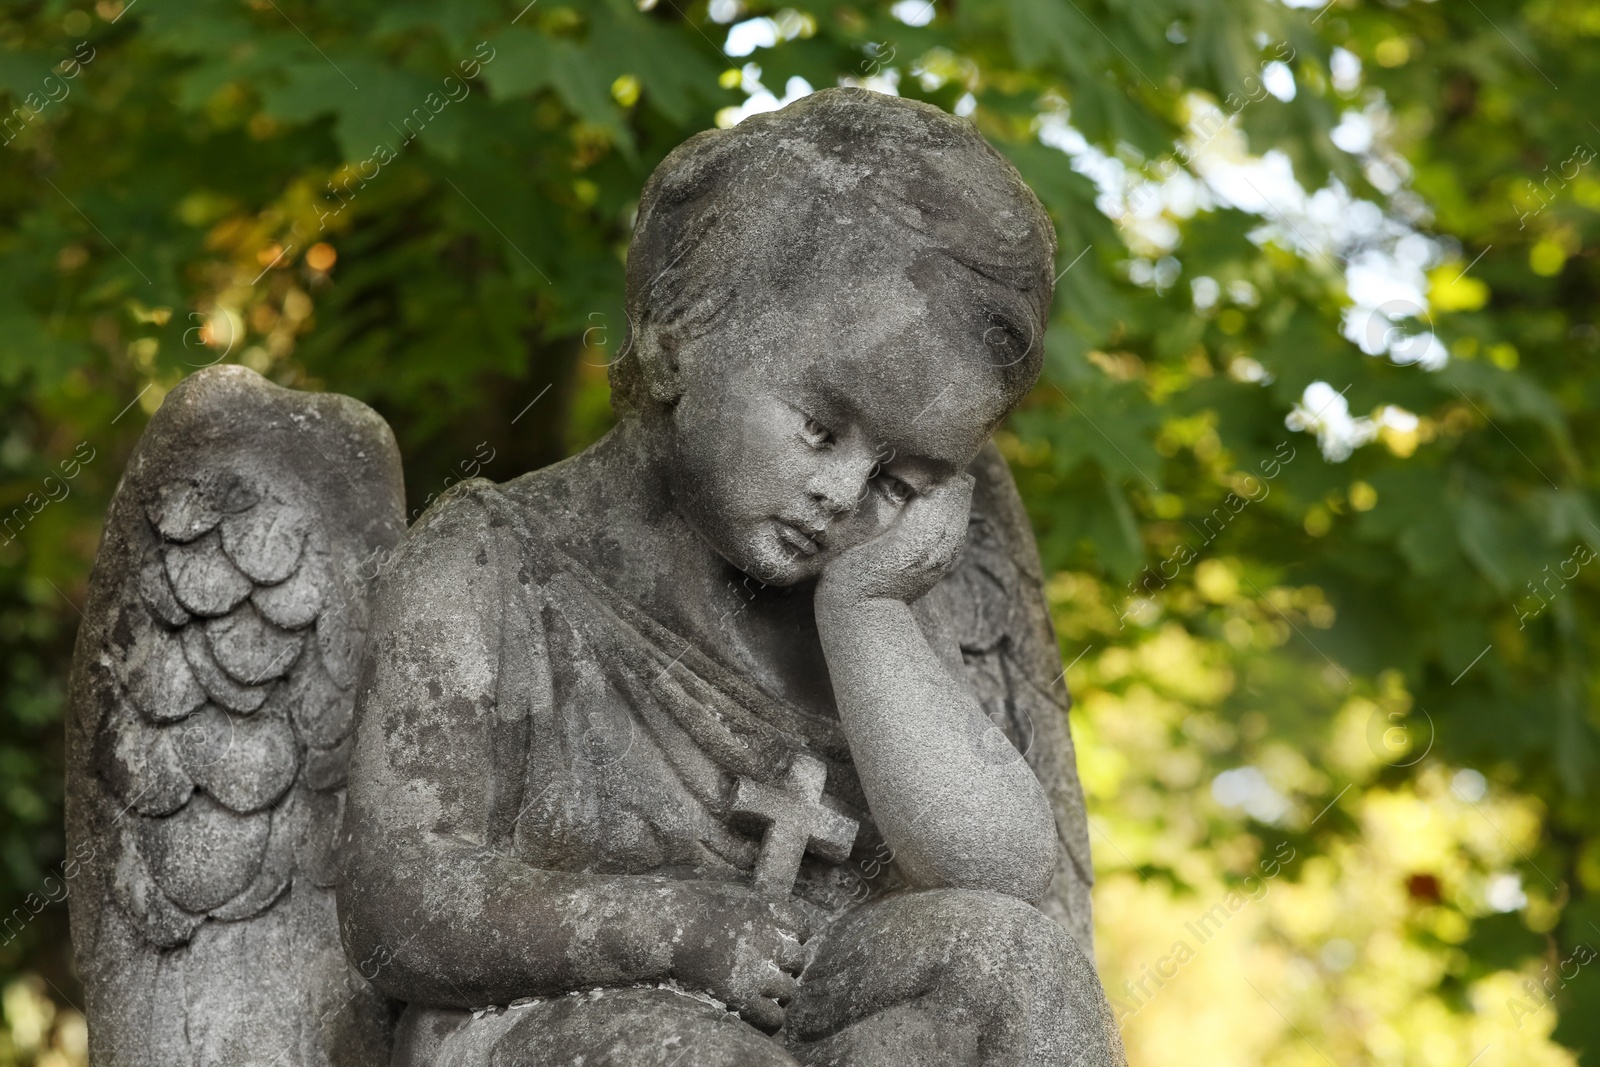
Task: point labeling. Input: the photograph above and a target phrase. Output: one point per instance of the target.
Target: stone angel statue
(738, 739)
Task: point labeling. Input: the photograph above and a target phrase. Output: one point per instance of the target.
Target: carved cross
(796, 820)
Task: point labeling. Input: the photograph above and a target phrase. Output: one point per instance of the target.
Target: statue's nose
(833, 503)
(839, 486)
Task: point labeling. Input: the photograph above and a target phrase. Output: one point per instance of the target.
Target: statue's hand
(910, 556)
(742, 949)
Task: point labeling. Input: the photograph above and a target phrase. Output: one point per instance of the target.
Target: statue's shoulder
(476, 509)
(479, 542)
(464, 518)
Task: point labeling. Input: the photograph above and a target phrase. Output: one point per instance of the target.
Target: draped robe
(616, 744)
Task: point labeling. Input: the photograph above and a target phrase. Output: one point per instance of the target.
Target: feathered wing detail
(1008, 644)
(211, 708)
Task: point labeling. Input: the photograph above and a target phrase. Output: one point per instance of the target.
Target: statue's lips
(796, 537)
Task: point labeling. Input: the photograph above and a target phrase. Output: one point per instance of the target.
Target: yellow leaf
(1392, 51)
(625, 90)
(1449, 289)
(1547, 258)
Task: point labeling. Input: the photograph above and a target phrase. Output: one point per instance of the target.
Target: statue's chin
(780, 581)
(779, 573)
(770, 561)
(759, 549)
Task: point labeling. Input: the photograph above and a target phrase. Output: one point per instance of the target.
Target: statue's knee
(992, 945)
(991, 919)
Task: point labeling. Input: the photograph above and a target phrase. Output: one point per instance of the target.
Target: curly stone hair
(733, 217)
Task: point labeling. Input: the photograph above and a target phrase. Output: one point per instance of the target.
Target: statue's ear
(658, 359)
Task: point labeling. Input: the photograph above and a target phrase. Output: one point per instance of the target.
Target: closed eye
(1006, 344)
(815, 434)
(897, 491)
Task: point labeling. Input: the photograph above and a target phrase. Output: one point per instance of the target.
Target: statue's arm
(431, 907)
(953, 814)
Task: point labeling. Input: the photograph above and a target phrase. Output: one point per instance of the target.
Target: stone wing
(1014, 667)
(211, 712)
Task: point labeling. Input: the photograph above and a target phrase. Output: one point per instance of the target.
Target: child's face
(805, 432)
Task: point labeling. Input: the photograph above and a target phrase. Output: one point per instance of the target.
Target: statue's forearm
(458, 926)
(952, 817)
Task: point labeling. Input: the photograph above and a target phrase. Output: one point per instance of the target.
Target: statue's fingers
(791, 955)
(792, 920)
(763, 1013)
(958, 504)
(953, 495)
(951, 538)
(940, 512)
(780, 986)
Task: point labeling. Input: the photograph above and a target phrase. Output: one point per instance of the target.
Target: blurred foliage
(1373, 679)
(39, 1031)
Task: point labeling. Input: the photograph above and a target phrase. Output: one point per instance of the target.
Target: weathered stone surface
(142, 765)
(204, 854)
(710, 746)
(248, 648)
(153, 917)
(157, 592)
(795, 821)
(265, 541)
(629, 713)
(295, 602)
(203, 579)
(214, 680)
(203, 915)
(277, 867)
(323, 712)
(342, 630)
(328, 768)
(244, 762)
(157, 675)
(183, 510)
